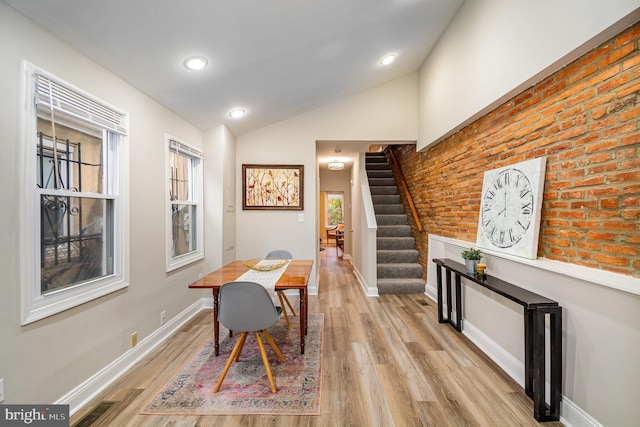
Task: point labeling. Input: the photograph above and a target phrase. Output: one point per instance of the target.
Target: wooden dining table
(296, 276)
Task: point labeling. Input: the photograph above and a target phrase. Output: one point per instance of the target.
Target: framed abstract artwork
(273, 187)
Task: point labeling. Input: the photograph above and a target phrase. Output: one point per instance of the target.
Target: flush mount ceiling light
(388, 59)
(336, 165)
(195, 63)
(237, 113)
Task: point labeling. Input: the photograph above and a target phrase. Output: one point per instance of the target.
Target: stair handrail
(405, 188)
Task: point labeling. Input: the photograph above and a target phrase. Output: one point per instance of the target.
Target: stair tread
(394, 225)
(396, 239)
(399, 264)
(401, 286)
(401, 279)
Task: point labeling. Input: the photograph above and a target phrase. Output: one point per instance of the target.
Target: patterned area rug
(245, 389)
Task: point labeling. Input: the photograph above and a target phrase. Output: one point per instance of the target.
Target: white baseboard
(369, 291)
(571, 415)
(431, 292)
(83, 393)
(511, 365)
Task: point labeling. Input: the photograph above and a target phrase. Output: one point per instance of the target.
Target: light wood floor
(386, 362)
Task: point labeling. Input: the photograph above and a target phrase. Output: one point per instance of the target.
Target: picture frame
(511, 208)
(272, 187)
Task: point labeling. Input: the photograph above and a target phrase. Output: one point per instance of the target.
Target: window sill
(45, 306)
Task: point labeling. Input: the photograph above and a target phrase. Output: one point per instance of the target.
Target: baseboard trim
(369, 291)
(83, 393)
(571, 415)
(507, 362)
(512, 366)
(431, 292)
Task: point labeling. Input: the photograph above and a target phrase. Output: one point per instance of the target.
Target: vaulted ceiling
(275, 58)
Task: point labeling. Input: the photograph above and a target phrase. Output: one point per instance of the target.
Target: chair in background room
(339, 241)
(247, 307)
(283, 254)
(333, 232)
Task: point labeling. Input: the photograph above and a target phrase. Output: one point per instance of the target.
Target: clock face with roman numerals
(510, 208)
(507, 208)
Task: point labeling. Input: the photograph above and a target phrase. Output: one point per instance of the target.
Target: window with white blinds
(75, 189)
(184, 178)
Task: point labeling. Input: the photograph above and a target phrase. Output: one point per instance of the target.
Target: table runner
(268, 279)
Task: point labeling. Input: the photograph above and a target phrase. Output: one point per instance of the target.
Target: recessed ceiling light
(237, 113)
(388, 59)
(195, 63)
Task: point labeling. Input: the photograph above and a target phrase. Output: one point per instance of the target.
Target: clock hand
(504, 211)
(505, 203)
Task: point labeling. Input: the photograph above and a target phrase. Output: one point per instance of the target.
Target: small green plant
(472, 253)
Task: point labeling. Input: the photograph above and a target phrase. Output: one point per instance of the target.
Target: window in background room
(335, 211)
(75, 247)
(184, 207)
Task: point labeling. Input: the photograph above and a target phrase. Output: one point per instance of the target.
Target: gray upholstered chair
(280, 254)
(283, 254)
(247, 307)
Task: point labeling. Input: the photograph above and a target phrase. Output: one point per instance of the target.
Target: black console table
(535, 309)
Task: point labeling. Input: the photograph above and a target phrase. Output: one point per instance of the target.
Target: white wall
(600, 332)
(365, 229)
(494, 49)
(220, 203)
(387, 113)
(44, 360)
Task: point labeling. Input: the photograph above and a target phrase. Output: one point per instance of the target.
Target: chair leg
(265, 361)
(284, 309)
(236, 350)
(274, 346)
(242, 338)
(293, 312)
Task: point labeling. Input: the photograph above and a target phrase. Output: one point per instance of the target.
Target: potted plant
(471, 257)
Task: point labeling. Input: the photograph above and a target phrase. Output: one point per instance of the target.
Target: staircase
(398, 269)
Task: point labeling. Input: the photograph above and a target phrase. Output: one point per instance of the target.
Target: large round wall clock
(509, 218)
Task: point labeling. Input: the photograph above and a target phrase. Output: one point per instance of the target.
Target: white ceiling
(276, 58)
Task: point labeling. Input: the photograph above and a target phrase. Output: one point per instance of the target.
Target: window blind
(181, 148)
(54, 95)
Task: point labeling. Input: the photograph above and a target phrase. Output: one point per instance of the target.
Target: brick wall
(585, 119)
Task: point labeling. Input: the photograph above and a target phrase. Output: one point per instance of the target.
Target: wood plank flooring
(386, 362)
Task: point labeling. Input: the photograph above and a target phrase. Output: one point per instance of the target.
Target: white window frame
(196, 181)
(34, 304)
(326, 207)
